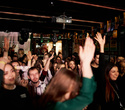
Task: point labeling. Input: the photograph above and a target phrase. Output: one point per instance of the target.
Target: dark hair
(38, 64)
(33, 68)
(109, 92)
(76, 69)
(96, 53)
(15, 61)
(11, 66)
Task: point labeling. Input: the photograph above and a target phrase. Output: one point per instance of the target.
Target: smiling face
(114, 73)
(9, 75)
(72, 65)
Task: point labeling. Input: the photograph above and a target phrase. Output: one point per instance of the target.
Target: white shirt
(40, 88)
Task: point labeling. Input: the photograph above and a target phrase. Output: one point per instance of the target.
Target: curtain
(13, 38)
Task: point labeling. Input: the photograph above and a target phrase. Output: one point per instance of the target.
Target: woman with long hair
(12, 95)
(113, 98)
(65, 92)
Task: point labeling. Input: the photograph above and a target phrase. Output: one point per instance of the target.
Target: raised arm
(4, 59)
(86, 54)
(6, 47)
(101, 41)
(88, 86)
(48, 62)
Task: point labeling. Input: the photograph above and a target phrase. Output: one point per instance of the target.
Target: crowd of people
(82, 81)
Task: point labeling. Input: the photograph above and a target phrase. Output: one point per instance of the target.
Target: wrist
(101, 49)
(2, 62)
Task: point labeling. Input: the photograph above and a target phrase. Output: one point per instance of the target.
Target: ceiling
(37, 15)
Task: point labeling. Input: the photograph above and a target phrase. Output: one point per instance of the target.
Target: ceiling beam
(43, 16)
(94, 5)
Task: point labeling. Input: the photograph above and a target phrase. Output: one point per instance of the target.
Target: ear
(39, 75)
(67, 95)
(28, 77)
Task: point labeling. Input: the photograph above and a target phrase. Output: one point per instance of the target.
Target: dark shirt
(113, 104)
(99, 78)
(15, 99)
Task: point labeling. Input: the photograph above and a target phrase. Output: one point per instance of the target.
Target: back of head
(60, 85)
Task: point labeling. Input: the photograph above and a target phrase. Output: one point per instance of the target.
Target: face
(72, 64)
(34, 75)
(16, 64)
(9, 75)
(15, 58)
(55, 66)
(60, 55)
(46, 57)
(97, 59)
(123, 67)
(114, 73)
(20, 52)
(120, 59)
(58, 60)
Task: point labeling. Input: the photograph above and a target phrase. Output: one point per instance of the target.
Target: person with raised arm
(98, 68)
(64, 92)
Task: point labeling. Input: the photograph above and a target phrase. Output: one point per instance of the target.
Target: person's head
(15, 63)
(72, 64)
(9, 76)
(55, 66)
(96, 58)
(111, 75)
(64, 85)
(20, 51)
(120, 58)
(75, 55)
(15, 57)
(24, 58)
(112, 59)
(46, 56)
(60, 55)
(58, 59)
(111, 72)
(34, 74)
(45, 53)
(122, 67)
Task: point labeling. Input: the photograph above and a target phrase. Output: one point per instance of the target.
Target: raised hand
(6, 44)
(29, 55)
(86, 54)
(52, 56)
(101, 41)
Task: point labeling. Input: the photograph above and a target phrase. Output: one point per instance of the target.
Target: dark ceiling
(37, 15)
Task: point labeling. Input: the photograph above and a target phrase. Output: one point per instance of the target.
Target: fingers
(104, 37)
